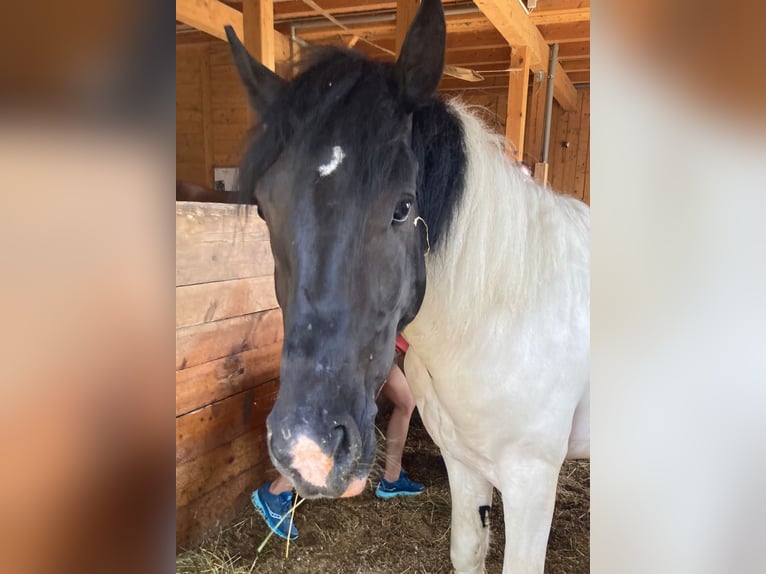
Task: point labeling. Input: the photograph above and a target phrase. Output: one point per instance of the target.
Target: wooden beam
(541, 173)
(563, 33)
(516, 119)
(578, 65)
(405, 13)
(514, 24)
(580, 77)
(574, 51)
(494, 82)
(553, 5)
(209, 16)
(480, 58)
(258, 24)
(563, 86)
(388, 29)
(533, 138)
(560, 16)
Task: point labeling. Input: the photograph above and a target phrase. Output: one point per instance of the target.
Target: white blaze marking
(337, 157)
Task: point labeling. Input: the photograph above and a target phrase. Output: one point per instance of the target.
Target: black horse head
(336, 167)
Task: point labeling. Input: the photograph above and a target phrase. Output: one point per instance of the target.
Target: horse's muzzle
(322, 459)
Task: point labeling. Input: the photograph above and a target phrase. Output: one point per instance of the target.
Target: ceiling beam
(578, 65)
(559, 16)
(580, 77)
(551, 5)
(569, 32)
(514, 24)
(458, 24)
(574, 51)
(210, 16)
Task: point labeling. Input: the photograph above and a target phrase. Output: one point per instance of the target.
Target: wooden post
(258, 26)
(541, 173)
(518, 84)
(405, 13)
(533, 137)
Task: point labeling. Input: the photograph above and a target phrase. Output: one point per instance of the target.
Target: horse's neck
(506, 239)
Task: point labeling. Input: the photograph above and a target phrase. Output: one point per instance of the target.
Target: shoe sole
(386, 495)
(261, 508)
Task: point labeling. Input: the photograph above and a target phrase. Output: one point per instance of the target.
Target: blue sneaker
(403, 486)
(273, 507)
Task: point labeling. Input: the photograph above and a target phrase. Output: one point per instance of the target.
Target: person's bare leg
(280, 485)
(397, 390)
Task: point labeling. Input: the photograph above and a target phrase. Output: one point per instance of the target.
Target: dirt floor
(367, 535)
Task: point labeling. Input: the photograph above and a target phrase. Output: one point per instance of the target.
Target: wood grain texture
(216, 242)
(210, 341)
(216, 380)
(206, 302)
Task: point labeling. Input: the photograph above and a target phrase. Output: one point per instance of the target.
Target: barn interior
(499, 56)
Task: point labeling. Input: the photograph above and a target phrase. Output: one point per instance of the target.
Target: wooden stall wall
(211, 111)
(191, 107)
(212, 116)
(228, 344)
(569, 151)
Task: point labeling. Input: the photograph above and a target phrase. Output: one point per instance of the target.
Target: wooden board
(569, 166)
(206, 302)
(204, 516)
(216, 380)
(221, 456)
(210, 341)
(211, 426)
(216, 242)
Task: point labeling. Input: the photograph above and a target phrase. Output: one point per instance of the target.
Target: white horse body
(499, 351)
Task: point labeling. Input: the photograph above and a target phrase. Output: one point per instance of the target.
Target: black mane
(338, 85)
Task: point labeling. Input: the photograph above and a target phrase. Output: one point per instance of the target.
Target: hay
(367, 535)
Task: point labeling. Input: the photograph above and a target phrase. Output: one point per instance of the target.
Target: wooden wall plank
(216, 380)
(207, 119)
(206, 302)
(190, 158)
(582, 145)
(216, 242)
(203, 517)
(569, 167)
(209, 341)
(208, 471)
(217, 424)
(572, 137)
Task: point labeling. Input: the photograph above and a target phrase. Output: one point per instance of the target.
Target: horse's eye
(402, 211)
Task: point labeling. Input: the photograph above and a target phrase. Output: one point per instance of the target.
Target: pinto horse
(390, 210)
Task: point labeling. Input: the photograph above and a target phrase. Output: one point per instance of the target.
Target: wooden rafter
(560, 16)
(210, 16)
(514, 24)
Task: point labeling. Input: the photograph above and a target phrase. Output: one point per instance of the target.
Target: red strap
(401, 344)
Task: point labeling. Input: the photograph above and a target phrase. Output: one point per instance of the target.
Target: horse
(390, 210)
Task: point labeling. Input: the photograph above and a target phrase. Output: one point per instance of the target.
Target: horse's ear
(261, 83)
(421, 61)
